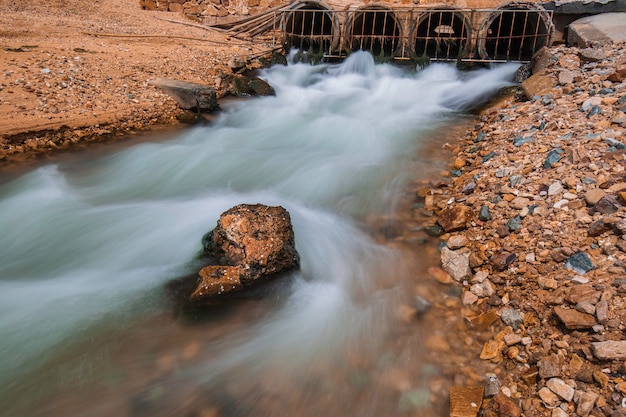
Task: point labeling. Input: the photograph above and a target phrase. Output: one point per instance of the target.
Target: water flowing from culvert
(88, 246)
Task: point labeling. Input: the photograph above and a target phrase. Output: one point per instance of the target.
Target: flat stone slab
(599, 29)
(610, 350)
(188, 95)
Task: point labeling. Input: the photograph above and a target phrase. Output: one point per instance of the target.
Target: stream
(89, 245)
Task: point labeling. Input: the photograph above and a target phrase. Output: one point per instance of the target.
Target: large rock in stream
(251, 243)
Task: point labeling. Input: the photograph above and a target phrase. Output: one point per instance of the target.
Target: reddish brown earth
(73, 71)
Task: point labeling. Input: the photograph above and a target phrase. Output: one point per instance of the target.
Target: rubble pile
(532, 222)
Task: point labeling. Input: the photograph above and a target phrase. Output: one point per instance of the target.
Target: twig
(113, 35)
(197, 25)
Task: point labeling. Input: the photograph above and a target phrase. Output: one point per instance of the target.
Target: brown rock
(594, 195)
(618, 76)
(574, 320)
(252, 242)
(465, 401)
(217, 280)
(609, 350)
(501, 261)
(537, 85)
(258, 238)
(503, 406)
(455, 218)
(549, 367)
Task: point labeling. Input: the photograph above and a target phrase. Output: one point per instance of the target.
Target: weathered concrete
(598, 29)
(188, 95)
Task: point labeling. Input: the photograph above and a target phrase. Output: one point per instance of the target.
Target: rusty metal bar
(444, 34)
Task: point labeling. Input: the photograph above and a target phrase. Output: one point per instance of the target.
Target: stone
(591, 55)
(566, 77)
(455, 219)
(457, 242)
(492, 350)
(492, 385)
(501, 261)
(188, 95)
(586, 403)
(580, 263)
(549, 398)
(512, 317)
(256, 239)
(606, 205)
(217, 280)
(549, 367)
(538, 84)
(557, 412)
(519, 203)
(594, 195)
(239, 85)
(261, 87)
(601, 379)
(505, 406)
(514, 223)
(456, 263)
(465, 401)
(440, 275)
(609, 350)
(421, 304)
(554, 156)
(598, 228)
(602, 311)
(560, 388)
(512, 339)
(555, 188)
(574, 320)
(484, 214)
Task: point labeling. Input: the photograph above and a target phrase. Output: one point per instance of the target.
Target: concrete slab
(599, 29)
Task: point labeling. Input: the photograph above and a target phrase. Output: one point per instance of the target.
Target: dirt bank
(77, 71)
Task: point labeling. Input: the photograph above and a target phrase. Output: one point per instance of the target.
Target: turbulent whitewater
(88, 246)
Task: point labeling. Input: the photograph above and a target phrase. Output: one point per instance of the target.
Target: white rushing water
(89, 245)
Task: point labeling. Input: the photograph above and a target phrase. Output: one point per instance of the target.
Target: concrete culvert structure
(374, 28)
(514, 32)
(310, 27)
(442, 35)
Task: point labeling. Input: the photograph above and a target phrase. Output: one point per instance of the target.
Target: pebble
(456, 263)
(560, 388)
(586, 403)
(492, 385)
(574, 320)
(580, 263)
(512, 317)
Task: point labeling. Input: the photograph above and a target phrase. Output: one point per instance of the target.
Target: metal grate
(478, 35)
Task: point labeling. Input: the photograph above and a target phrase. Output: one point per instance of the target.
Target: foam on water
(86, 244)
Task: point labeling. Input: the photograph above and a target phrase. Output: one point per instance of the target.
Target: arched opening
(515, 32)
(442, 35)
(374, 29)
(309, 27)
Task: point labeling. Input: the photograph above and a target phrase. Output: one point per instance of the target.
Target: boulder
(188, 95)
(243, 86)
(250, 243)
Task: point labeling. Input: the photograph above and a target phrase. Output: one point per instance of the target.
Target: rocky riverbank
(80, 71)
(532, 223)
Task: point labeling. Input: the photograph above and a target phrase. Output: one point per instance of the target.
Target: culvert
(310, 27)
(374, 29)
(514, 32)
(442, 34)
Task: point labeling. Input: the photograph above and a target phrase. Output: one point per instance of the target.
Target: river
(89, 245)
